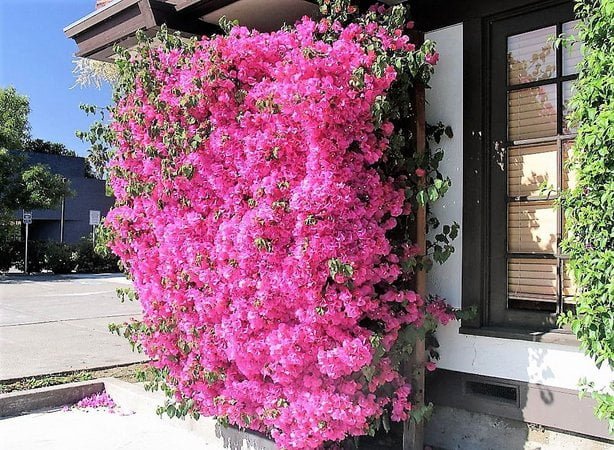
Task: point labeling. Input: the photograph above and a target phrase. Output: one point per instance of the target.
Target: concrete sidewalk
(93, 430)
(132, 425)
(51, 324)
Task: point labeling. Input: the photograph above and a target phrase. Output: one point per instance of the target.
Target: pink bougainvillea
(254, 222)
(101, 400)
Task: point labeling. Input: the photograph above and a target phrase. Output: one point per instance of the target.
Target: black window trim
(477, 195)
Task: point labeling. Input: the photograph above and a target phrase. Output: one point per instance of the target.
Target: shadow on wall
(480, 412)
(540, 373)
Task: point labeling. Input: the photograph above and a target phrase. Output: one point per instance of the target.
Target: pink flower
(95, 401)
(420, 172)
(432, 58)
(438, 308)
(387, 128)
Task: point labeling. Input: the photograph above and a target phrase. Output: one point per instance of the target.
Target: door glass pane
(530, 167)
(532, 279)
(532, 227)
(531, 56)
(569, 177)
(572, 54)
(532, 113)
(567, 93)
(569, 286)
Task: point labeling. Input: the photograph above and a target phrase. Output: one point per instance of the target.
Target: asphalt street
(51, 324)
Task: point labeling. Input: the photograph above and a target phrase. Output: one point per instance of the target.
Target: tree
(27, 187)
(14, 125)
(48, 147)
(24, 186)
(15, 128)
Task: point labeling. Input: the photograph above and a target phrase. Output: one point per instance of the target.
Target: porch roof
(118, 21)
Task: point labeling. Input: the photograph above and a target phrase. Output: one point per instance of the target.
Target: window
(527, 140)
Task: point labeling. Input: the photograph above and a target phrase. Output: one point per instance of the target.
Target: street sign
(27, 217)
(94, 217)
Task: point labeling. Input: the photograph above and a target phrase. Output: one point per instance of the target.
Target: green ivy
(589, 206)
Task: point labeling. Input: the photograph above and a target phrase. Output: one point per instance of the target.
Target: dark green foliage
(40, 188)
(59, 257)
(589, 207)
(26, 187)
(89, 261)
(36, 255)
(7, 255)
(50, 148)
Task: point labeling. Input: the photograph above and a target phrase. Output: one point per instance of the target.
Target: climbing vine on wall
(589, 206)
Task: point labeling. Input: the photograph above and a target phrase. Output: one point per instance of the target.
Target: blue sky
(36, 57)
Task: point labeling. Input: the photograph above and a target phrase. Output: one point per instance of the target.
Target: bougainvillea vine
(260, 193)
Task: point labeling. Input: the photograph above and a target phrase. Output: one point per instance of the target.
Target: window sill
(561, 337)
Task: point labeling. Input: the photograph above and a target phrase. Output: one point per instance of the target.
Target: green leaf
(421, 198)
(386, 422)
(336, 266)
(171, 411)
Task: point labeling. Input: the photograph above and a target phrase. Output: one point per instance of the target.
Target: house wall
(542, 370)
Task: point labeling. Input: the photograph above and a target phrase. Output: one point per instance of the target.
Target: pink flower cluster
(96, 401)
(254, 224)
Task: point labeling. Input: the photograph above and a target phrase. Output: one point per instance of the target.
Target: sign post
(27, 220)
(63, 211)
(94, 222)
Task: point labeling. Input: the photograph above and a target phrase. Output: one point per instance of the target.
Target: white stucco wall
(445, 104)
(549, 364)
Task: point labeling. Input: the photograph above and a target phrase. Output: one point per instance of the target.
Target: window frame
(484, 280)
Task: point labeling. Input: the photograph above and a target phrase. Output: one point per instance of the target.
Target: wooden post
(413, 433)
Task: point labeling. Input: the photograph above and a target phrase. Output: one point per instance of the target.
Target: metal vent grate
(500, 392)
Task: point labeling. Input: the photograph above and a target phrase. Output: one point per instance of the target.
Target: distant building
(89, 194)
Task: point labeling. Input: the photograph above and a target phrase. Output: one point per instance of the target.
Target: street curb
(22, 402)
(74, 371)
